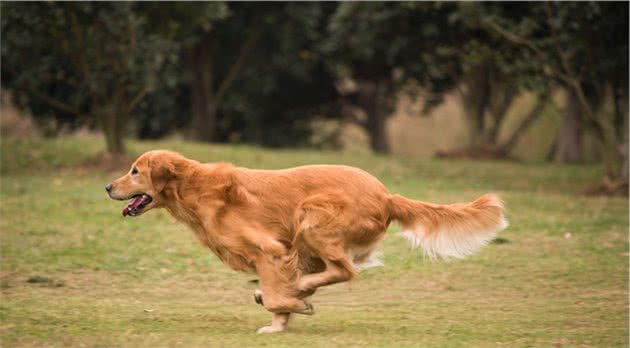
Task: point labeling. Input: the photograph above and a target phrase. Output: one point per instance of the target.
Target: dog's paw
(258, 297)
(270, 329)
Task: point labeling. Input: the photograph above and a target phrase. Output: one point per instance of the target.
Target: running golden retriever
(298, 228)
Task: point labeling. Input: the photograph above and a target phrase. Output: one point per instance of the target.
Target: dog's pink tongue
(136, 202)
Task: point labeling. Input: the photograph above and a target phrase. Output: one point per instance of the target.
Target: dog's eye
(134, 171)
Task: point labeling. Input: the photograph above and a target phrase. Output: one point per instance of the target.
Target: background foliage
(264, 73)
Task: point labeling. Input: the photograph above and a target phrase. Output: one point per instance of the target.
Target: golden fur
(300, 228)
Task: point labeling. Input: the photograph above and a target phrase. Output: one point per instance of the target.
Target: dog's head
(144, 183)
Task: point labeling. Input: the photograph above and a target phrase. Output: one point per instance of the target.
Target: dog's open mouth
(138, 202)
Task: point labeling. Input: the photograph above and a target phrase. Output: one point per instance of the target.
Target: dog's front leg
(279, 323)
(278, 293)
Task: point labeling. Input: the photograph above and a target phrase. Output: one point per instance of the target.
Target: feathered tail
(449, 231)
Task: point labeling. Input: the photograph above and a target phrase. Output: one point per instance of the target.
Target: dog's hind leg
(339, 270)
(330, 226)
(324, 235)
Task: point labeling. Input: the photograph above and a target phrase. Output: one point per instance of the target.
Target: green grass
(559, 277)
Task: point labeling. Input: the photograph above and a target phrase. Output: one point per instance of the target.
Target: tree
(208, 85)
(268, 98)
(251, 75)
(568, 145)
(91, 60)
(439, 47)
(491, 74)
(189, 24)
(285, 83)
(383, 46)
(231, 85)
(583, 47)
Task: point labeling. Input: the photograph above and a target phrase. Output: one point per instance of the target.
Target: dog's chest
(227, 249)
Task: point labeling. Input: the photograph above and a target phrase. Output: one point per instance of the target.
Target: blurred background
(527, 81)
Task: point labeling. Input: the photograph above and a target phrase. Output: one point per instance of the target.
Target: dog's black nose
(108, 187)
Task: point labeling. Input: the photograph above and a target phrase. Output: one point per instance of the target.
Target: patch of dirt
(46, 281)
(500, 240)
(476, 152)
(617, 187)
(107, 162)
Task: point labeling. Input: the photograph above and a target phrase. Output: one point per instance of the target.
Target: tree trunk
(112, 125)
(374, 100)
(614, 151)
(204, 109)
(622, 110)
(378, 133)
(115, 144)
(623, 151)
(476, 98)
(569, 140)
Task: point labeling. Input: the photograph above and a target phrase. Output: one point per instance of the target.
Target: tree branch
(513, 38)
(521, 41)
(55, 103)
(498, 109)
(79, 55)
(543, 97)
(564, 59)
(255, 34)
(137, 99)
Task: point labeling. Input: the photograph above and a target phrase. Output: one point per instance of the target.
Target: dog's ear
(163, 169)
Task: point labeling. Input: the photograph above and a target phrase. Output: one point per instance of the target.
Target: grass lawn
(75, 273)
